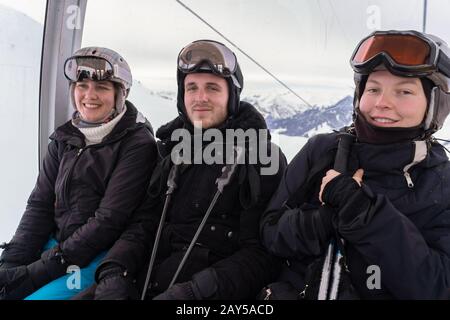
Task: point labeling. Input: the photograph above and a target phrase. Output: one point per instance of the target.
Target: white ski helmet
(97, 63)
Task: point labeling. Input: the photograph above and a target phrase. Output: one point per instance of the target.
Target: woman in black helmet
(94, 175)
(369, 216)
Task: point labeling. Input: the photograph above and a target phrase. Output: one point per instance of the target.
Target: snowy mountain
(312, 121)
(276, 105)
(285, 115)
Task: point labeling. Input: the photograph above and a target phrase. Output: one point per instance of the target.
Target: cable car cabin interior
(294, 56)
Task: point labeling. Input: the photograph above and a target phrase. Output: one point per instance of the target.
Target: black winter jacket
(85, 195)
(404, 231)
(229, 242)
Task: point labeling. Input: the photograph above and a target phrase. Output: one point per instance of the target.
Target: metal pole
(171, 186)
(194, 239)
(424, 27)
(227, 173)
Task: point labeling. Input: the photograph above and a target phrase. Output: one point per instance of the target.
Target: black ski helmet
(438, 72)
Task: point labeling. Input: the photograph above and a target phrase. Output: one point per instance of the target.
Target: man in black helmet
(208, 246)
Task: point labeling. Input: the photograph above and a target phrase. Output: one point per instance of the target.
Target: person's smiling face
(94, 99)
(392, 101)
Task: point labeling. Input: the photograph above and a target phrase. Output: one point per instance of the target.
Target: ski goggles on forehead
(213, 55)
(93, 68)
(408, 54)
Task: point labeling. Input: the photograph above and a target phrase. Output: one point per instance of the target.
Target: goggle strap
(443, 64)
(235, 81)
(430, 110)
(122, 73)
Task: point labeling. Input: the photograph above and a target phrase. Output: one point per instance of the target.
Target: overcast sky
(303, 43)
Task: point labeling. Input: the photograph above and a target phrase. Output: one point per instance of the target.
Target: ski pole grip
(342, 153)
(171, 184)
(229, 169)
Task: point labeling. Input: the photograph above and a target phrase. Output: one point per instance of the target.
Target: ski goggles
(407, 53)
(210, 54)
(94, 68)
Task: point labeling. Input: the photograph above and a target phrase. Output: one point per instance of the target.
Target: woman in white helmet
(94, 175)
(365, 213)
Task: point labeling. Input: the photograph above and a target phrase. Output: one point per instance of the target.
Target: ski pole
(222, 182)
(343, 151)
(334, 254)
(171, 186)
(326, 271)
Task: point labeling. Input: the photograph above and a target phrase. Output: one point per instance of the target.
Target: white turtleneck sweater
(95, 135)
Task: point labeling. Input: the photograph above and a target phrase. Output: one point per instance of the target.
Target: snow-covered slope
(158, 107)
(20, 45)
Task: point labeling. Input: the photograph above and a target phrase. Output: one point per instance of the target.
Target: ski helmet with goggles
(212, 57)
(407, 54)
(98, 64)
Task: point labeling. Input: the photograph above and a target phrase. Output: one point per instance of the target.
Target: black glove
(349, 199)
(8, 265)
(15, 283)
(114, 283)
(202, 286)
(316, 224)
(51, 266)
(179, 291)
(19, 282)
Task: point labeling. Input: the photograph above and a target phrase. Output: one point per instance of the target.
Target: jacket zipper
(69, 178)
(80, 151)
(408, 179)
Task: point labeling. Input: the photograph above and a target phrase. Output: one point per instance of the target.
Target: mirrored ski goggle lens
(218, 56)
(403, 49)
(97, 69)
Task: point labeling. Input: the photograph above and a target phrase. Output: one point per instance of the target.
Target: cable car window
(21, 31)
(294, 54)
